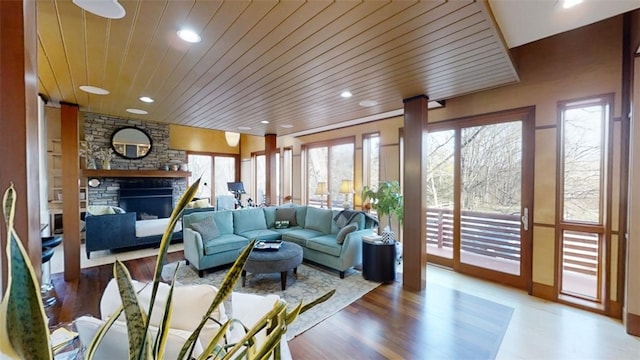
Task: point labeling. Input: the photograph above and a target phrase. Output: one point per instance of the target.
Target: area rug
(309, 283)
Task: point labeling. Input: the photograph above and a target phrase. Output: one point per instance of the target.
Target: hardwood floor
(457, 317)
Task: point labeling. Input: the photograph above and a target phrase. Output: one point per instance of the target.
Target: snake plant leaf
(166, 240)
(163, 331)
(102, 330)
(139, 345)
(228, 283)
(21, 311)
(213, 348)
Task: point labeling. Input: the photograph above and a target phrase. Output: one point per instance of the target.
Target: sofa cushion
(269, 216)
(225, 242)
(115, 344)
(224, 220)
(248, 219)
(342, 234)
(262, 234)
(318, 219)
(207, 228)
(301, 236)
(97, 210)
(325, 244)
(287, 214)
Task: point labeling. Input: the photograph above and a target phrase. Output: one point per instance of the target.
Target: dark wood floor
(387, 323)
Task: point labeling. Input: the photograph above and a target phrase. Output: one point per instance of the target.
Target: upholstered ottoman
(288, 257)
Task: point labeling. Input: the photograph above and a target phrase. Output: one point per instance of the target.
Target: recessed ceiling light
(286, 126)
(566, 4)
(245, 128)
(264, 122)
(94, 90)
(346, 94)
(146, 99)
(368, 103)
(109, 9)
(138, 111)
(189, 36)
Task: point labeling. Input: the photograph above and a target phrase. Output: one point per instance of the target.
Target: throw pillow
(207, 228)
(202, 203)
(288, 214)
(342, 234)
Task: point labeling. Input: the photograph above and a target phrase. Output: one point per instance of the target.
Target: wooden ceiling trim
(289, 88)
(361, 74)
(210, 90)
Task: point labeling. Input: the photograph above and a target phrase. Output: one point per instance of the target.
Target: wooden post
(270, 152)
(70, 190)
(19, 153)
(415, 205)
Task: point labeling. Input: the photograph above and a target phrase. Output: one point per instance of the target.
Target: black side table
(379, 261)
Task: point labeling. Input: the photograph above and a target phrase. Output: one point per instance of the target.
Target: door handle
(525, 219)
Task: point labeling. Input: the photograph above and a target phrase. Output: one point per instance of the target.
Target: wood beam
(19, 154)
(415, 205)
(70, 190)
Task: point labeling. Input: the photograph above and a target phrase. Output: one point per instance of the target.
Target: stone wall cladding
(101, 127)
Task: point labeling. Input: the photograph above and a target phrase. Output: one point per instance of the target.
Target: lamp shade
(321, 189)
(233, 138)
(346, 187)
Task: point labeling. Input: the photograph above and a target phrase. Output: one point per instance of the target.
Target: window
(259, 190)
(328, 163)
(584, 126)
(221, 168)
(286, 188)
(371, 160)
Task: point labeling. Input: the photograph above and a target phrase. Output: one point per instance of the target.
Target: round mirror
(131, 142)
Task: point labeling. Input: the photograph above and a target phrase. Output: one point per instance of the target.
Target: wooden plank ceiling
(283, 62)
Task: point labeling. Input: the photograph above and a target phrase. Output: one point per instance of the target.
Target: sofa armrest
(113, 231)
(193, 246)
(352, 247)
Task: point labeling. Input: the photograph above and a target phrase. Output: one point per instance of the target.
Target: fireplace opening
(147, 202)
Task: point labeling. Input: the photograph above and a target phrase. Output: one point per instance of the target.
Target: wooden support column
(70, 190)
(19, 155)
(271, 152)
(415, 205)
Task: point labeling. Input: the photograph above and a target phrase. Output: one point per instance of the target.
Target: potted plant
(387, 200)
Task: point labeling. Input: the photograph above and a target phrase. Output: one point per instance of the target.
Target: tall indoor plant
(22, 313)
(386, 199)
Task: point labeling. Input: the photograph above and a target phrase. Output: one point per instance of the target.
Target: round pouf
(288, 257)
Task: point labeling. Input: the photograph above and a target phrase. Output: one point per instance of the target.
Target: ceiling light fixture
(94, 90)
(368, 103)
(264, 122)
(346, 94)
(244, 128)
(286, 126)
(566, 4)
(138, 111)
(109, 9)
(233, 138)
(189, 36)
(146, 99)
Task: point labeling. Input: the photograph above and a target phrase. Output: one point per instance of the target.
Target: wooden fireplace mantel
(119, 173)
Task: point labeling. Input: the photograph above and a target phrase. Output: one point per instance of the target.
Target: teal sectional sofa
(332, 238)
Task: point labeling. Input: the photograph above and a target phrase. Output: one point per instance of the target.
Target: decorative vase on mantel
(91, 162)
(106, 164)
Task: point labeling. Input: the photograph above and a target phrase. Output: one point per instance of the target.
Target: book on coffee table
(272, 245)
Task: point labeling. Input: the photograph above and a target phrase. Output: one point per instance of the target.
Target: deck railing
(498, 236)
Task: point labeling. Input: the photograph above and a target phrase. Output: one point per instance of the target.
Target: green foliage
(22, 314)
(387, 200)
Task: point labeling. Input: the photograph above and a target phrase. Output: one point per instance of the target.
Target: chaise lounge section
(332, 238)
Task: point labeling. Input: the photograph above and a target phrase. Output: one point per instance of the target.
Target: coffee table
(288, 257)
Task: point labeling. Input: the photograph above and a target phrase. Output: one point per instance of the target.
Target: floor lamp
(321, 190)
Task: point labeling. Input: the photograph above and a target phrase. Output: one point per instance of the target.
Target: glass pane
(371, 160)
(440, 172)
(491, 157)
(317, 179)
(580, 259)
(200, 166)
(225, 168)
(287, 164)
(583, 162)
(341, 169)
(261, 187)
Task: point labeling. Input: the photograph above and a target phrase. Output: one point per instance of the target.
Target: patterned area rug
(309, 283)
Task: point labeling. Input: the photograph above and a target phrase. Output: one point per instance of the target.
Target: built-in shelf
(117, 173)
